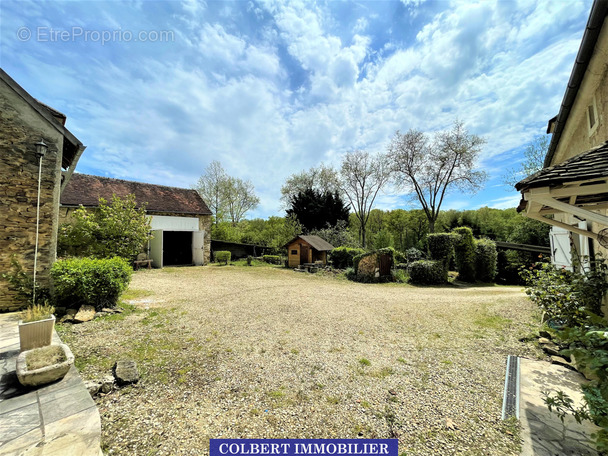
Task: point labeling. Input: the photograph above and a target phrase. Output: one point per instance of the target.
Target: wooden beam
(590, 207)
(574, 229)
(578, 190)
(567, 208)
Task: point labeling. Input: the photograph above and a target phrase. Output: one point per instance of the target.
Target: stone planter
(46, 374)
(36, 334)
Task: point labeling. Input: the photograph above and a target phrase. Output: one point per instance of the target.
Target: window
(294, 252)
(592, 117)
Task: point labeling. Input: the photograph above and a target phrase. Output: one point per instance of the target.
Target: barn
(181, 221)
(307, 249)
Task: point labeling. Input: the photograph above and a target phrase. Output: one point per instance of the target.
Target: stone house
(571, 192)
(307, 249)
(24, 123)
(181, 221)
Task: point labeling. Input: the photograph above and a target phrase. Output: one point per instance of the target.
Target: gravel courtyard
(264, 352)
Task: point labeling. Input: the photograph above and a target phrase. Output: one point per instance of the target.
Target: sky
(157, 90)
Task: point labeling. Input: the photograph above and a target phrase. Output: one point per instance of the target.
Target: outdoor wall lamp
(41, 149)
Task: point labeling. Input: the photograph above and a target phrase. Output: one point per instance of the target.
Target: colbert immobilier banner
(300, 447)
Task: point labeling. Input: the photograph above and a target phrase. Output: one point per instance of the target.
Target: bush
(413, 254)
(117, 228)
(464, 248)
(342, 257)
(272, 259)
(441, 247)
(223, 256)
(485, 260)
(399, 276)
(350, 274)
(90, 281)
(567, 298)
(428, 272)
(249, 260)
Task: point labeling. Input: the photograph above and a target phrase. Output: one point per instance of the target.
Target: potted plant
(36, 326)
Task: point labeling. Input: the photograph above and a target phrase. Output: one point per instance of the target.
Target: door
(303, 254)
(198, 248)
(156, 248)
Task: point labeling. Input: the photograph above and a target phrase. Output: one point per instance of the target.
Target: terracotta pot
(36, 334)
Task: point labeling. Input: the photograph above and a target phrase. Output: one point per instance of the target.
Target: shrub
(428, 272)
(413, 254)
(441, 247)
(249, 260)
(399, 276)
(485, 260)
(464, 247)
(117, 228)
(567, 297)
(90, 281)
(342, 257)
(272, 259)
(350, 274)
(223, 256)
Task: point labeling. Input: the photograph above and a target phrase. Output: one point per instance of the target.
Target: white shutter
(560, 247)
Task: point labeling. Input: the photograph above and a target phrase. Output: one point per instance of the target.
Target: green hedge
(486, 260)
(441, 247)
(223, 256)
(272, 259)
(90, 281)
(342, 257)
(428, 272)
(464, 248)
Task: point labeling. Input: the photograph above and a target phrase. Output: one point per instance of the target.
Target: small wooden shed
(307, 249)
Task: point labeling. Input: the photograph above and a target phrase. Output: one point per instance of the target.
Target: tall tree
(322, 179)
(430, 169)
(534, 159)
(212, 188)
(316, 210)
(239, 197)
(226, 196)
(361, 177)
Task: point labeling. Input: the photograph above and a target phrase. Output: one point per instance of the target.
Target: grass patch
(45, 356)
(382, 373)
(333, 399)
(365, 362)
(135, 293)
(495, 322)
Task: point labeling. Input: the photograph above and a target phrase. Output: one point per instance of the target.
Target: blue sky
(159, 89)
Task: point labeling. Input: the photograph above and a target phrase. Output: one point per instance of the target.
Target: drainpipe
(41, 149)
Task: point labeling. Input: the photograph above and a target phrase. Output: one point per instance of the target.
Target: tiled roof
(84, 189)
(589, 165)
(316, 242)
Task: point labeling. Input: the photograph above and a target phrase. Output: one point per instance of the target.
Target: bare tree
(212, 188)
(430, 169)
(361, 178)
(534, 159)
(239, 197)
(322, 179)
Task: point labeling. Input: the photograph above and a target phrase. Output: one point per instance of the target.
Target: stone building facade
(24, 122)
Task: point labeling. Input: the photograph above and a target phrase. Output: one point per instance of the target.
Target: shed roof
(590, 165)
(315, 241)
(85, 190)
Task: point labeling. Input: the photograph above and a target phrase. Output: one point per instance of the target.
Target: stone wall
(22, 127)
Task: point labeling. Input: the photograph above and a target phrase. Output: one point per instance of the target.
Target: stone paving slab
(542, 431)
(59, 419)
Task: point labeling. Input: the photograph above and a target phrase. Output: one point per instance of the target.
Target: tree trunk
(431, 226)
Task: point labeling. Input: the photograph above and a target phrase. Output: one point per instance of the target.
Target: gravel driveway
(269, 353)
